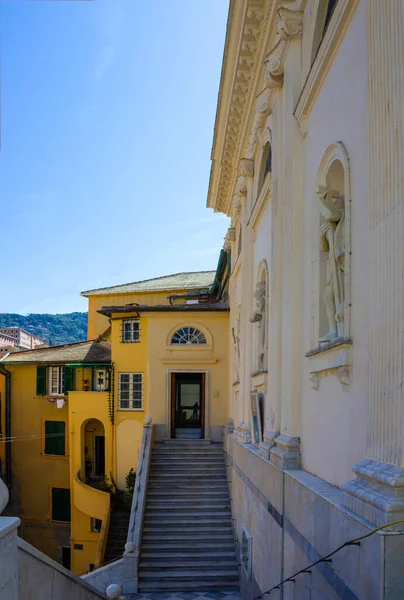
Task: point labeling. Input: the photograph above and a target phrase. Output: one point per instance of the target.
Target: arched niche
(93, 450)
(260, 318)
(331, 249)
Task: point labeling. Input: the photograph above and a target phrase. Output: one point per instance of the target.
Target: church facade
(307, 160)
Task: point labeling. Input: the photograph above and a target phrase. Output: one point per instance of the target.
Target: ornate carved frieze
(262, 111)
(247, 167)
(275, 64)
(290, 22)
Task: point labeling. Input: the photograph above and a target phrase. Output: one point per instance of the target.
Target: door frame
(170, 400)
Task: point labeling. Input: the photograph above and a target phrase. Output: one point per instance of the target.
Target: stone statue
(332, 242)
(259, 317)
(236, 342)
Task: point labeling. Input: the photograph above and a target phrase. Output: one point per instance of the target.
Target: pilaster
(378, 491)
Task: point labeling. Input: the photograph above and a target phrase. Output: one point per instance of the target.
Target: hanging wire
(30, 437)
(327, 557)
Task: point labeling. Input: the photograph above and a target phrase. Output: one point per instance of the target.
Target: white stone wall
(332, 416)
(8, 558)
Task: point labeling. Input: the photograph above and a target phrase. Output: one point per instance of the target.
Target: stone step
(177, 506)
(199, 525)
(196, 486)
(162, 516)
(190, 442)
(218, 491)
(218, 564)
(190, 574)
(199, 531)
(194, 554)
(172, 547)
(197, 585)
(187, 465)
(189, 537)
(181, 478)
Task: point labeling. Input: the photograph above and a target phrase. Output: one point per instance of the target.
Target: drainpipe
(7, 375)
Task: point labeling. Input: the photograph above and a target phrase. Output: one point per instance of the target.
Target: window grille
(131, 330)
(188, 335)
(131, 391)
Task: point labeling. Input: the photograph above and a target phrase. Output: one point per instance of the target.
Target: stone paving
(185, 596)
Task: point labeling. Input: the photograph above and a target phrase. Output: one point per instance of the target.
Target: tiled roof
(81, 352)
(177, 281)
(131, 308)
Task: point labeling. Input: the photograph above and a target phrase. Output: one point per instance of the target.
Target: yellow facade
(34, 473)
(101, 414)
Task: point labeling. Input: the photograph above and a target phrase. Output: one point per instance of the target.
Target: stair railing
(133, 542)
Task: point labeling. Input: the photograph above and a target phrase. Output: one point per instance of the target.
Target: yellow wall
(97, 323)
(34, 473)
(156, 357)
(87, 502)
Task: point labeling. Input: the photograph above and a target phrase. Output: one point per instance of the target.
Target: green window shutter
(68, 385)
(60, 504)
(55, 438)
(40, 381)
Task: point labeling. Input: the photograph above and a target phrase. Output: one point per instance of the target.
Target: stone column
(286, 57)
(378, 492)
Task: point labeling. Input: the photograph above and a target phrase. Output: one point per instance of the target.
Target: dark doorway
(187, 405)
(99, 466)
(66, 561)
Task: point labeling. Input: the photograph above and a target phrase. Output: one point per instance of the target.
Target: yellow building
(161, 352)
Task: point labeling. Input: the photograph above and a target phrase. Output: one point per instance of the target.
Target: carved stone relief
(332, 243)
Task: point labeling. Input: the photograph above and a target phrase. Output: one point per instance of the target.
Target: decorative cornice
(253, 25)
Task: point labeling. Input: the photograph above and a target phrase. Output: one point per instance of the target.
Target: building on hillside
(22, 338)
(162, 352)
(307, 160)
(6, 341)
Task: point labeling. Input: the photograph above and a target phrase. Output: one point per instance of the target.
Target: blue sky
(107, 114)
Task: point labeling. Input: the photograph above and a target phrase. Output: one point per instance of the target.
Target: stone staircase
(118, 532)
(187, 541)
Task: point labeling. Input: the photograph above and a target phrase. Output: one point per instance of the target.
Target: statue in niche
(259, 318)
(332, 243)
(236, 341)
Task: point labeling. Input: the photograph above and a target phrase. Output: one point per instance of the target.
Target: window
(56, 381)
(60, 504)
(266, 166)
(131, 330)
(55, 437)
(324, 13)
(101, 380)
(96, 525)
(188, 335)
(131, 391)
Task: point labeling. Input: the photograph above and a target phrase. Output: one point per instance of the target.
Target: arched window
(188, 335)
(266, 166)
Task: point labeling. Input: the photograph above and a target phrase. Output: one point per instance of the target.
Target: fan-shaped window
(266, 165)
(188, 335)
